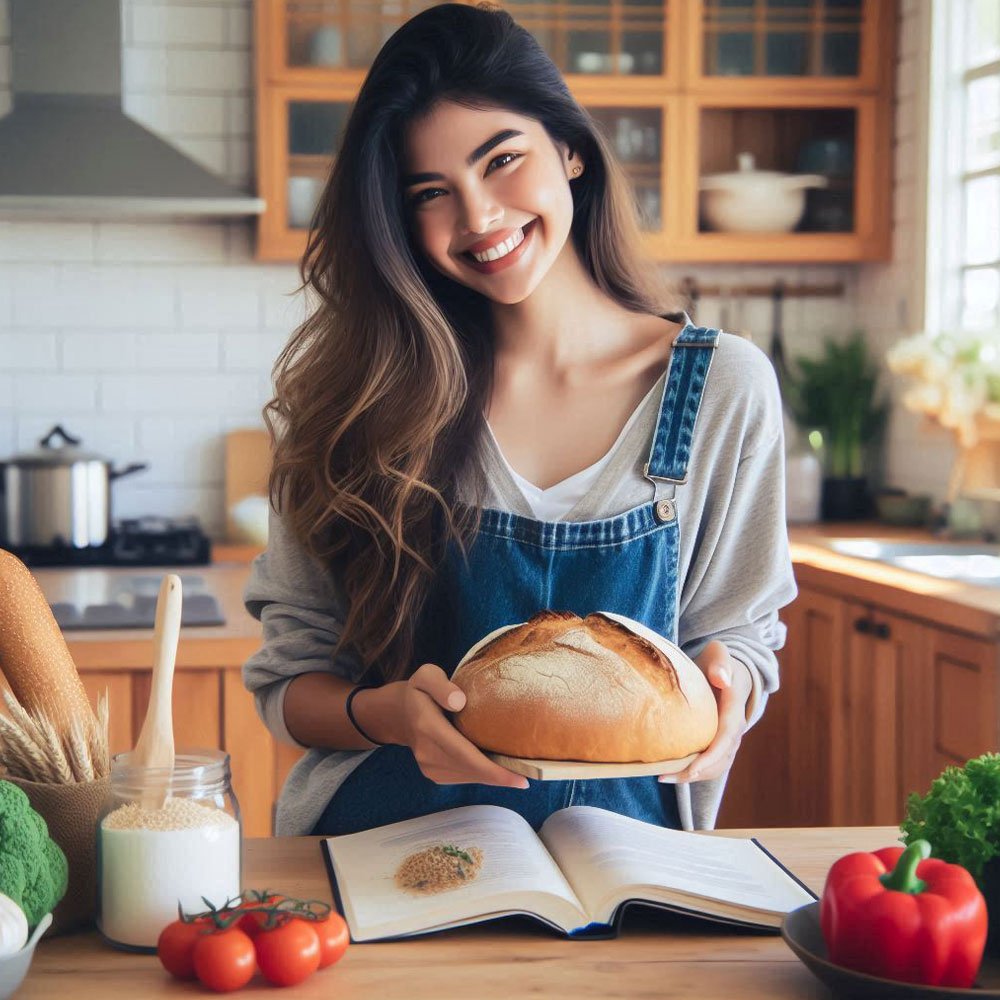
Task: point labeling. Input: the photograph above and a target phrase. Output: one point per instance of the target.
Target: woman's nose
(479, 212)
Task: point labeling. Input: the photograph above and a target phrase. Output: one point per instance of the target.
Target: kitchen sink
(973, 562)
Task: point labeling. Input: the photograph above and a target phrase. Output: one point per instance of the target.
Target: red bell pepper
(903, 915)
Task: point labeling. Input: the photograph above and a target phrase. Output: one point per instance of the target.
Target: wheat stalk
(31, 748)
(20, 755)
(56, 754)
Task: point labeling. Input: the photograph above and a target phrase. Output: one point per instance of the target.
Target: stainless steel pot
(59, 494)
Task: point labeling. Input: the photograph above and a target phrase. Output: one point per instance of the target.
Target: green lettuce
(960, 814)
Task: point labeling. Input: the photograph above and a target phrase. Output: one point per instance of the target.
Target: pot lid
(55, 449)
(747, 176)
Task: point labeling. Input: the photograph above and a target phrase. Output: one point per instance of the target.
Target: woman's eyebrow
(472, 159)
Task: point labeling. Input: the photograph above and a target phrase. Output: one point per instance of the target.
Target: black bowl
(802, 933)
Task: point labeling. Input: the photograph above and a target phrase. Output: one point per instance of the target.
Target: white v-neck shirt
(556, 501)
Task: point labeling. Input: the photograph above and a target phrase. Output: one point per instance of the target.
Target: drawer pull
(863, 625)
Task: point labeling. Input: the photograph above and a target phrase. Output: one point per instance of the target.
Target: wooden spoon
(155, 748)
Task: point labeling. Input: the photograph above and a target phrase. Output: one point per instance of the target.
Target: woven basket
(71, 812)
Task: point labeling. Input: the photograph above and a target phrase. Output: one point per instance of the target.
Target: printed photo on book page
(442, 867)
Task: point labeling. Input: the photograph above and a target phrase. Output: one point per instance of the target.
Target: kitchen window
(963, 237)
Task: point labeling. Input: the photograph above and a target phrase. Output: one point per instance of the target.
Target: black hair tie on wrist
(350, 713)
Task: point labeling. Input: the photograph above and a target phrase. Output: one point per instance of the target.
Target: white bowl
(755, 201)
(13, 968)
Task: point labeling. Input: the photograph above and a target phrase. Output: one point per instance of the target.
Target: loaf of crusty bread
(603, 689)
(33, 654)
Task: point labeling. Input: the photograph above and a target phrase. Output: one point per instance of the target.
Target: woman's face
(488, 198)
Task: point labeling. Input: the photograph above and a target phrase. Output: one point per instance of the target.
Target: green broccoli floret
(33, 868)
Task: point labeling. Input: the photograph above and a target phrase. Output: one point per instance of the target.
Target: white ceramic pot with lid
(755, 201)
(59, 494)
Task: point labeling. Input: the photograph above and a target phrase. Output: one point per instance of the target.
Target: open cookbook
(577, 874)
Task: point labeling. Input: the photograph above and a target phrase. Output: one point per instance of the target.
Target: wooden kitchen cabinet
(873, 705)
(679, 87)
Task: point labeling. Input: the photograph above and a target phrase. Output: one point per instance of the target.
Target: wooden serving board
(565, 770)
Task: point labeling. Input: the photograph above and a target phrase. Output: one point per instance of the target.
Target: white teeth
(501, 249)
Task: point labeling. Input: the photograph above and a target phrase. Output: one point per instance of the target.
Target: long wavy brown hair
(380, 394)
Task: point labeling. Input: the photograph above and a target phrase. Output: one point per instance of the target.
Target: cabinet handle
(882, 631)
(863, 625)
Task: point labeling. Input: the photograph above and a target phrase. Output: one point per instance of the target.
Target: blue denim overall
(518, 566)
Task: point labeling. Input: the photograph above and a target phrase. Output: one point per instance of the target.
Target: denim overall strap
(690, 362)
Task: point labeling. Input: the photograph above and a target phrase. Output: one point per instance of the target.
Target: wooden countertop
(949, 603)
(203, 646)
(656, 955)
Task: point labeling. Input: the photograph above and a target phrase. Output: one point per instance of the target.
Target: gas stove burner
(140, 541)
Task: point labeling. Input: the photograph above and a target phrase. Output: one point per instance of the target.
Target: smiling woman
(479, 287)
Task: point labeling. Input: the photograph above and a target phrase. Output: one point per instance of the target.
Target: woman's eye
(422, 197)
(502, 160)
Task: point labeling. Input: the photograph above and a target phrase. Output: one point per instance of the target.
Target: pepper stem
(903, 878)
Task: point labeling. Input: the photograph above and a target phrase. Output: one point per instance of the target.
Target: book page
(446, 868)
(609, 858)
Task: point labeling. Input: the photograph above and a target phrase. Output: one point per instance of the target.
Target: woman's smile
(489, 256)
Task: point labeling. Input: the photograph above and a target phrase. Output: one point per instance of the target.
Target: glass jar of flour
(165, 836)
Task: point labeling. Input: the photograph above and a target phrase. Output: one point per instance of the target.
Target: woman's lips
(492, 266)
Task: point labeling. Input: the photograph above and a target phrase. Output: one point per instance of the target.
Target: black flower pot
(845, 499)
(989, 885)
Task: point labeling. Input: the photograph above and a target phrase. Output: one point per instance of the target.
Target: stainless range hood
(68, 150)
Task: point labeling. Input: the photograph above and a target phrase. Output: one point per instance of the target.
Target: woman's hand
(442, 753)
(732, 683)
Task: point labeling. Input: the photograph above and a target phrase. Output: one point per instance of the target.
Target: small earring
(576, 171)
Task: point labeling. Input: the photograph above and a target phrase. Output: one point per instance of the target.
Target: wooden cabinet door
(883, 657)
(951, 714)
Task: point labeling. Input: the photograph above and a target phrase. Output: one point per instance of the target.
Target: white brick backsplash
(52, 241)
(252, 351)
(181, 352)
(98, 351)
(60, 394)
(7, 446)
(187, 450)
(108, 296)
(6, 393)
(192, 70)
(197, 115)
(114, 439)
(239, 20)
(6, 298)
(147, 109)
(28, 350)
(203, 25)
(146, 394)
(283, 306)
(144, 70)
(239, 116)
(161, 242)
(223, 298)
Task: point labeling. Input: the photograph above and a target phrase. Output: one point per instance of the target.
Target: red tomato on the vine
(252, 922)
(175, 946)
(225, 960)
(289, 953)
(333, 938)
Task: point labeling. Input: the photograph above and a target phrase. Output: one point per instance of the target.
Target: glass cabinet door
(636, 136)
(314, 130)
(343, 34)
(623, 37)
(807, 38)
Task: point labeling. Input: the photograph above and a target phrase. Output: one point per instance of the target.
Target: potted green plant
(836, 395)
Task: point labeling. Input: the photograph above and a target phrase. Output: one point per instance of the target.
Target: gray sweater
(735, 569)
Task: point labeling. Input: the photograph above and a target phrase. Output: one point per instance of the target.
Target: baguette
(34, 658)
(603, 689)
